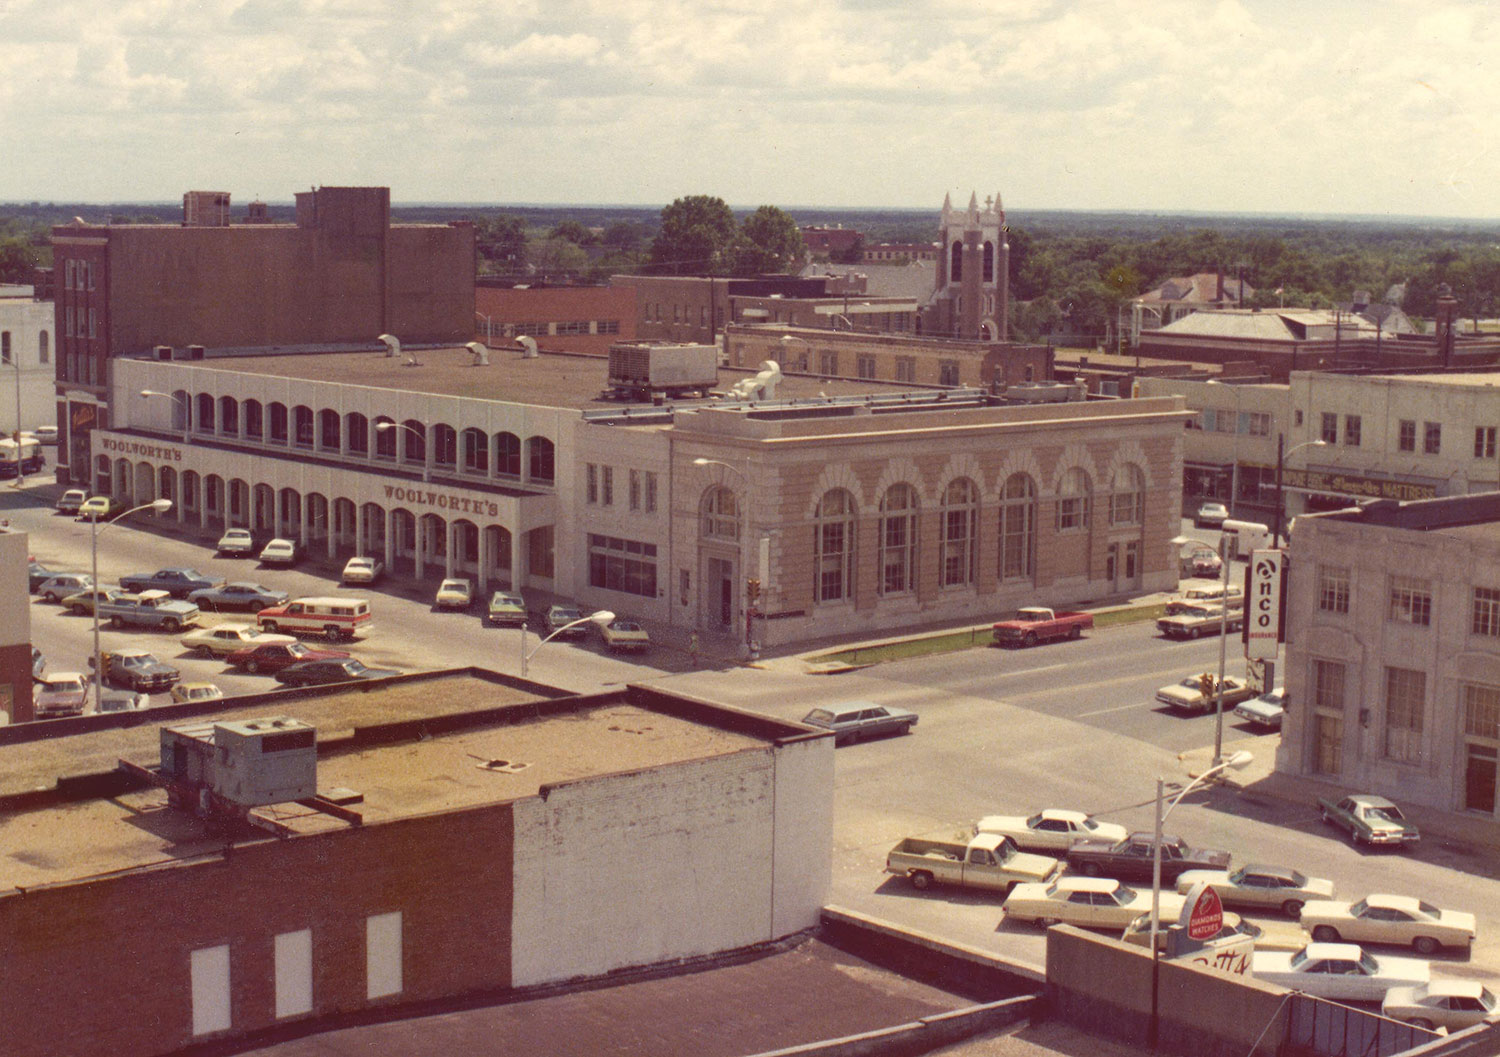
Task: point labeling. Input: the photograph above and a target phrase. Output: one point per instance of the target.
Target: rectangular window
(1351, 430)
(90, 271)
(828, 363)
(68, 322)
(1482, 712)
(1484, 442)
(703, 315)
(4, 346)
(69, 270)
(635, 490)
(1406, 435)
(607, 485)
(607, 326)
(1432, 437)
(1259, 423)
(1328, 685)
(1297, 418)
(906, 368)
(209, 972)
(1486, 612)
(622, 565)
(1405, 691)
(383, 955)
(294, 973)
(676, 313)
(1411, 600)
(864, 366)
(93, 323)
(1330, 428)
(591, 483)
(1333, 589)
(650, 491)
(947, 372)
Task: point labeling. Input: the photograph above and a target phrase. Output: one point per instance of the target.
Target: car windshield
(1356, 909)
(359, 563)
(1124, 894)
(453, 585)
(296, 649)
(625, 625)
(1299, 959)
(354, 666)
(1486, 998)
(63, 686)
(1427, 908)
(1367, 964)
(1191, 684)
(1298, 879)
(820, 715)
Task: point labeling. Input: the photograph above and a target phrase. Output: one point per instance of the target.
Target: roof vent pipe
(481, 354)
(528, 346)
(392, 344)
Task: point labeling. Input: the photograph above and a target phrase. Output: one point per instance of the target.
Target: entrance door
(1479, 778)
(718, 593)
(1112, 563)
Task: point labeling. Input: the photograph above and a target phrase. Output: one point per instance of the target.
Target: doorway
(1480, 772)
(718, 587)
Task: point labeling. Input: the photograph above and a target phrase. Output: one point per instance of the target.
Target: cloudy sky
(1325, 106)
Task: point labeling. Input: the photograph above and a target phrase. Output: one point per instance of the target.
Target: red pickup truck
(1038, 624)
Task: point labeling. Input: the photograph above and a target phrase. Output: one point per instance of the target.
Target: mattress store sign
(1349, 484)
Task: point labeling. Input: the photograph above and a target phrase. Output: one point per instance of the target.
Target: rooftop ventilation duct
(481, 354)
(761, 387)
(528, 346)
(392, 344)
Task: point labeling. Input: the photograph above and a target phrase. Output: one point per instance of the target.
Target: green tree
(575, 233)
(696, 233)
(17, 259)
(768, 241)
(555, 257)
(502, 240)
(853, 255)
(625, 236)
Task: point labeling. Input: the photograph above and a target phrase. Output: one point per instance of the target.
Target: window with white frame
(635, 489)
(960, 527)
(898, 540)
(607, 485)
(833, 547)
(1128, 498)
(1481, 711)
(1432, 438)
(1073, 501)
(1411, 600)
(1017, 527)
(721, 514)
(1485, 615)
(650, 502)
(1405, 705)
(591, 483)
(1352, 427)
(1484, 442)
(1333, 588)
(1328, 685)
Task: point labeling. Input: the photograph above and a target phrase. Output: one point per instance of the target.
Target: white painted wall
(27, 321)
(670, 862)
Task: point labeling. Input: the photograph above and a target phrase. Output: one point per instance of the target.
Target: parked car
(1341, 971)
(317, 673)
(506, 609)
(223, 639)
(1189, 696)
(237, 541)
(98, 508)
(338, 618)
(1369, 819)
(71, 500)
(560, 616)
(83, 603)
(64, 584)
(1261, 886)
(1132, 858)
(855, 720)
(1210, 593)
(38, 664)
(625, 636)
(273, 656)
(456, 593)
(1211, 515)
(1451, 1004)
(362, 570)
(149, 609)
(60, 694)
(1035, 624)
(1205, 619)
(177, 581)
(45, 434)
(1267, 710)
(242, 594)
(38, 574)
(1088, 902)
(281, 552)
(987, 861)
(1400, 920)
(137, 669)
(122, 701)
(196, 693)
(1051, 829)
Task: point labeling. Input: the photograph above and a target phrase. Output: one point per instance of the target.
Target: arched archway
(276, 429)
(166, 486)
(344, 519)
(315, 524)
(444, 447)
(289, 513)
(205, 423)
(356, 434)
(145, 484)
(213, 501)
(540, 460)
(370, 539)
(508, 455)
(255, 420)
(463, 554)
(264, 512)
(191, 498)
(497, 559)
(239, 502)
(329, 430)
(124, 487)
(103, 478)
(432, 543)
(403, 541)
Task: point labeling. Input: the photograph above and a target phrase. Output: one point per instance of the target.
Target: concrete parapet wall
(921, 1036)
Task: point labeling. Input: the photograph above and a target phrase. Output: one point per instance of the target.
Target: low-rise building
(1393, 652)
(26, 360)
(559, 318)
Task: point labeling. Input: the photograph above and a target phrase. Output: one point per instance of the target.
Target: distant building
(822, 243)
(971, 300)
(26, 347)
(560, 318)
(893, 252)
(342, 273)
(695, 308)
(1182, 296)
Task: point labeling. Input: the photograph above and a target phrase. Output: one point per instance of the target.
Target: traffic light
(752, 589)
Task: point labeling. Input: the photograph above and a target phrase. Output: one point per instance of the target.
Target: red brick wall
(560, 305)
(102, 966)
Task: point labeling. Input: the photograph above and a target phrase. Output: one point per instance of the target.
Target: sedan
(252, 597)
(1051, 830)
(1338, 970)
(1188, 695)
(1261, 886)
(1211, 515)
(281, 552)
(224, 639)
(560, 616)
(625, 636)
(317, 673)
(1133, 858)
(64, 584)
(123, 701)
(1451, 1004)
(60, 694)
(274, 656)
(362, 570)
(196, 693)
(456, 593)
(1088, 902)
(38, 574)
(506, 609)
(1267, 710)
(98, 508)
(1401, 920)
(71, 500)
(854, 720)
(82, 603)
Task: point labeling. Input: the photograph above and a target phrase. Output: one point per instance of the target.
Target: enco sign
(1263, 604)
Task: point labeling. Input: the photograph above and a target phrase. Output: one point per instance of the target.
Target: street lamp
(381, 427)
(1237, 762)
(1320, 443)
(599, 619)
(1179, 541)
(187, 409)
(744, 542)
(159, 506)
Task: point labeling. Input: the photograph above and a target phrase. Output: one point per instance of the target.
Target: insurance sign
(1263, 609)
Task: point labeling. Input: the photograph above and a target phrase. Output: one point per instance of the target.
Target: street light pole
(1224, 557)
(599, 618)
(159, 506)
(381, 427)
(187, 409)
(1280, 458)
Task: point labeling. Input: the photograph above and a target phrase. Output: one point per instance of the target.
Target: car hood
(1000, 824)
(1189, 878)
(1029, 865)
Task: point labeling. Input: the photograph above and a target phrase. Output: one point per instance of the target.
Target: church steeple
(971, 299)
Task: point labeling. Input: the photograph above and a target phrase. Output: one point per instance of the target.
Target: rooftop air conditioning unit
(248, 763)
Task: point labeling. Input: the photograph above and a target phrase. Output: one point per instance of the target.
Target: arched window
(960, 527)
(721, 514)
(956, 263)
(229, 415)
(507, 455)
(182, 409)
(1128, 497)
(541, 464)
(833, 547)
(1073, 501)
(302, 421)
(1017, 528)
(898, 540)
(414, 436)
(356, 434)
(205, 423)
(989, 262)
(444, 445)
(385, 437)
(329, 423)
(278, 423)
(255, 425)
(476, 445)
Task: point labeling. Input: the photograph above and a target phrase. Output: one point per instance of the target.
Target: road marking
(1034, 671)
(1106, 711)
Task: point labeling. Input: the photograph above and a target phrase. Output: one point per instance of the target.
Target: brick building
(574, 848)
(972, 297)
(694, 308)
(561, 318)
(342, 273)
(15, 629)
(824, 242)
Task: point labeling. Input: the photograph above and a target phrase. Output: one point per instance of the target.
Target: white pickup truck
(988, 861)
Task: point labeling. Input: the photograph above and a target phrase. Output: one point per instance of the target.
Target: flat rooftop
(1477, 515)
(548, 380)
(430, 744)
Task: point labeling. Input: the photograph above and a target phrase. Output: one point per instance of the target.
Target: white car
(71, 500)
(1050, 830)
(280, 552)
(60, 694)
(625, 636)
(1088, 902)
(196, 693)
(362, 570)
(223, 639)
(454, 594)
(1260, 886)
(1401, 920)
(1211, 515)
(236, 541)
(1187, 696)
(123, 701)
(45, 434)
(1267, 710)
(1451, 1004)
(1339, 971)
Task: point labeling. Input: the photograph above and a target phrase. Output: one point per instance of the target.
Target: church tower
(972, 296)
